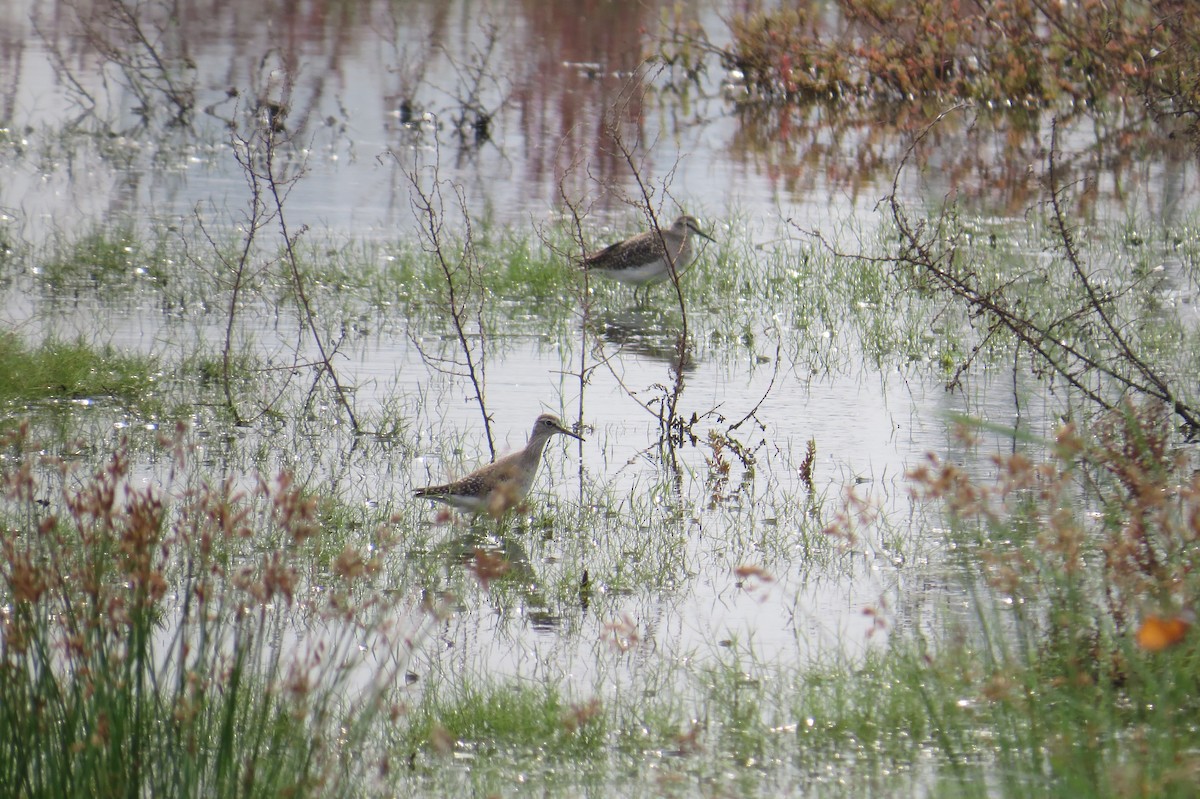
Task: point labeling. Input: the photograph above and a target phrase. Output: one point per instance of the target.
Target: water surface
(529, 109)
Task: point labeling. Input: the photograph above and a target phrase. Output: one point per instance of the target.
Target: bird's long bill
(570, 433)
(693, 226)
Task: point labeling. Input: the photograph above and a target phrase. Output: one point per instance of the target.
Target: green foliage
(507, 718)
(61, 370)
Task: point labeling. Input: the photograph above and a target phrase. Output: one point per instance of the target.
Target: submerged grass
(77, 371)
(520, 720)
(746, 299)
(747, 294)
(103, 257)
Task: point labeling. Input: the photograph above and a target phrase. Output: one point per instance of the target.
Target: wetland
(890, 491)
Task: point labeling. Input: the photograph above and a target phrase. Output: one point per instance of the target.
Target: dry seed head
(580, 715)
(350, 564)
(26, 582)
(295, 513)
(746, 571)
(277, 579)
(487, 566)
(298, 683)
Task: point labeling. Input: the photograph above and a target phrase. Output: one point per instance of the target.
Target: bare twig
(668, 411)
(1065, 345)
(273, 185)
(472, 119)
(1152, 383)
(257, 218)
(462, 283)
(255, 154)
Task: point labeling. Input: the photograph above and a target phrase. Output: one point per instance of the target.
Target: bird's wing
(588, 260)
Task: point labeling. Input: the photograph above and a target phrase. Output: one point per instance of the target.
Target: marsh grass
(105, 258)
(485, 720)
(184, 602)
(1041, 680)
(823, 305)
(59, 370)
(208, 370)
(1049, 680)
(150, 643)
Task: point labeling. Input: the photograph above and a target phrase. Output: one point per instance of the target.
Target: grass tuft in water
(106, 256)
(510, 718)
(62, 370)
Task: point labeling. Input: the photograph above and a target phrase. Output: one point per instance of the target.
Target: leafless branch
(461, 282)
(1066, 344)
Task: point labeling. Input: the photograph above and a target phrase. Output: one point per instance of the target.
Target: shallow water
(556, 75)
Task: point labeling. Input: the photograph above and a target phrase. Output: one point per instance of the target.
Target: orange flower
(1158, 633)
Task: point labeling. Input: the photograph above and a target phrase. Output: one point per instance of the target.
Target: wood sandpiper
(642, 259)
(500, 485)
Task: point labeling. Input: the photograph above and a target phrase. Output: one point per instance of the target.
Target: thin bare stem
(310, 319)
(1062, 345)
(463, 287)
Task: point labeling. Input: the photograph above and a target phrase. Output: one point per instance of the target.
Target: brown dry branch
(463, 292)
(258, 155)
(1103, 369)
(257, 217)
(278, 188)
(1142, 376)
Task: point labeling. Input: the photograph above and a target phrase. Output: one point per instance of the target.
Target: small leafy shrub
(1082, 662)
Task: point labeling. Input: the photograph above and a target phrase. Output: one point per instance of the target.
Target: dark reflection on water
(644, 332)
(501, 564)
(518, 102)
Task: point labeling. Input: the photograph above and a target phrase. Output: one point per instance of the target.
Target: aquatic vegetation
(103, 258)
(1059, 621)
(723, 597)
(152, 628)
(77, 371)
